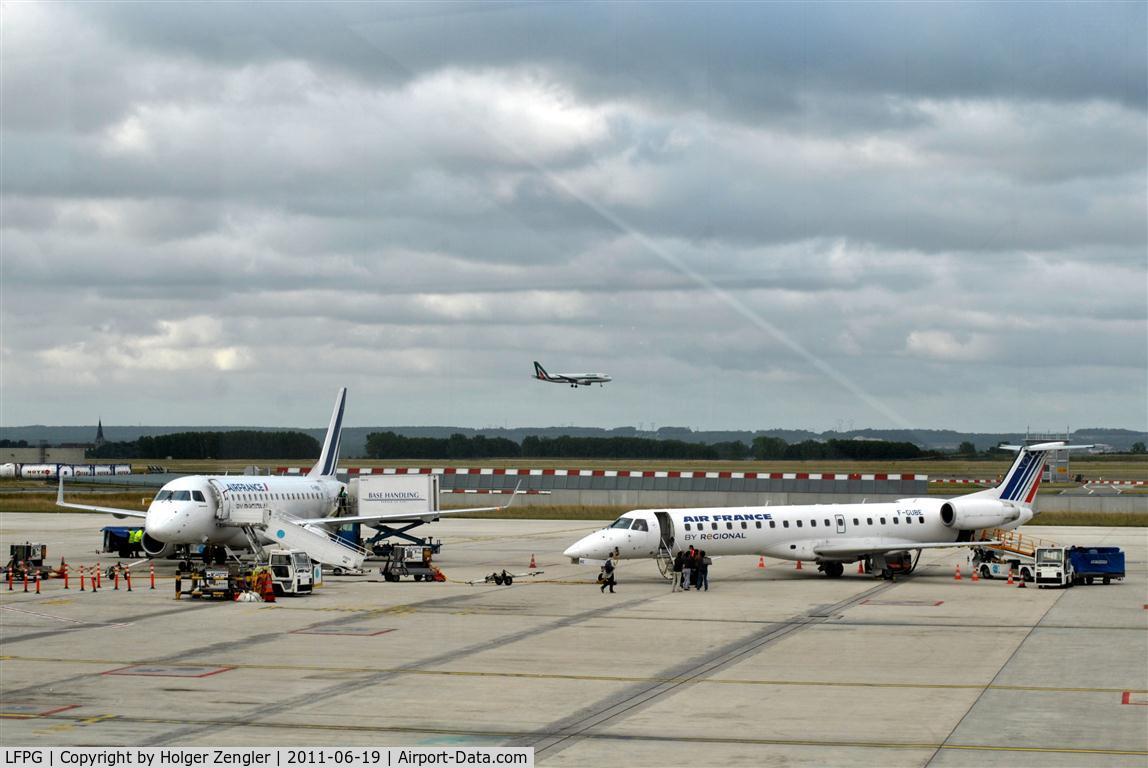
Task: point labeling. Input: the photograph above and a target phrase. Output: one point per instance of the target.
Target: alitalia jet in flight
(573, 379)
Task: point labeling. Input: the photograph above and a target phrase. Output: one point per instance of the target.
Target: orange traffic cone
(1021, 579)
(974, 576)
(532, 563)
(798, 565)
(860, 566)
(1010, 577)
(761, 562)
(957, 575)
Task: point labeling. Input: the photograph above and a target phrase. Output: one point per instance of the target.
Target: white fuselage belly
(192, 521)
(748, 530)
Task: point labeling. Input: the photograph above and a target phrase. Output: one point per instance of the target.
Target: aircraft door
(840, 523)
(642, 537)
(221, 498)
(665, 531)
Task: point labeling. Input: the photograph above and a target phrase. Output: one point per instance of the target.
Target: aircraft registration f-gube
(225, 512)
(885, 534)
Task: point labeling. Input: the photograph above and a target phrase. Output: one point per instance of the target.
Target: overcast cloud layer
(751, 216)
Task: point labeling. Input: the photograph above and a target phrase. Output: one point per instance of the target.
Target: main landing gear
(833, 570)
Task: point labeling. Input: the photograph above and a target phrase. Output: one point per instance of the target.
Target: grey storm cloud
(781, 214)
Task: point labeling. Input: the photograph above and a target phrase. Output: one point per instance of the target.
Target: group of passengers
(691, 569)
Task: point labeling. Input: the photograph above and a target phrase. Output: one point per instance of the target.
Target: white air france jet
(573, 379)
(885, 534)
(238, 512)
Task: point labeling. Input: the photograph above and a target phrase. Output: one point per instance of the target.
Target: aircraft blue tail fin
(329, 458)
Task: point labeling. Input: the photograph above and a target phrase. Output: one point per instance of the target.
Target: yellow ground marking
(585, 678)
(353, 728)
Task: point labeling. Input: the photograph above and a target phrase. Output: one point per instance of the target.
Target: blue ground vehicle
(1066, 566)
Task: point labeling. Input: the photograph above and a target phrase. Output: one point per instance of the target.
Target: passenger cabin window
(758, 523)
(784, 523)
(895, 522)
(812, 523)
(729, 526)
(921, 520)
(826, 523)
(882, 521)
(772, 524)
(744, 526)
(856, 522)
(713, 526)
(868, 521)
(640, 525)
(622, 523)
(688, 526)
(798, 523)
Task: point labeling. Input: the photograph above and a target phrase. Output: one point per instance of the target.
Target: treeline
(240, 444)
(389, 445)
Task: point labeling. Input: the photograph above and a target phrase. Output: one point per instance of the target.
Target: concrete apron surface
(771, 666)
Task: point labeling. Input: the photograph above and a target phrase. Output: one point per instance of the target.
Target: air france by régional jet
(831, 535)
(240, 512)
(573, 379)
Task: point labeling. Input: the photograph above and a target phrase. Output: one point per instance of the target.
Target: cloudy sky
(751, 216)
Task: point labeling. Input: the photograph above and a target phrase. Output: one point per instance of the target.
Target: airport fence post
(128, 576)
(151, 574)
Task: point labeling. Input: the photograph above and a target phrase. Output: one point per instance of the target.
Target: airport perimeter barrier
(592, 487)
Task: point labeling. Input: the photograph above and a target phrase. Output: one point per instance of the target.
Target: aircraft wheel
(1088, 580)
(833, 570)
(1107, 579)
(498, 579)
(508, 580)
(418, 577)
(1026, 574)
(985, 572)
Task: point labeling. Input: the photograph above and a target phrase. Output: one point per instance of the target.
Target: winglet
(329, 458)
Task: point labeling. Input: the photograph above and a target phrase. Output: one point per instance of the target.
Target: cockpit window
(181, 495)
(197, 495)
(622, 522)
(640, 525)
(163, 496)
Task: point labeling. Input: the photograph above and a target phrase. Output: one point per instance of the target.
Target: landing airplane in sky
(573, 379)
(239, 512)
(885, 534)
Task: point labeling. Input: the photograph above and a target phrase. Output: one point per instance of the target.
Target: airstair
(1014, 542)
(315, 540)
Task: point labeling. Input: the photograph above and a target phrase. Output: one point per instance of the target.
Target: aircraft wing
(881, 545)
(91, 508)
(395, 517)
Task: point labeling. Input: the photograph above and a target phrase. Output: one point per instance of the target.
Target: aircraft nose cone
(161, 524)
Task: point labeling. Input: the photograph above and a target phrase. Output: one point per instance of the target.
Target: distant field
(1092, 468)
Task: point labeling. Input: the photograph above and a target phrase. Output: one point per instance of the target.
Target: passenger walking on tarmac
(687, 568)
(608, 575)
(704, 571)
(676, 572)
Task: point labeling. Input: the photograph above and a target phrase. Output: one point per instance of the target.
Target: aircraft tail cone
(957, 575)
(799, 565)
(532, 563)
(761, 562)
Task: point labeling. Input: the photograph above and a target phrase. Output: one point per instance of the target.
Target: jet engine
(157, 548)
(975, 514)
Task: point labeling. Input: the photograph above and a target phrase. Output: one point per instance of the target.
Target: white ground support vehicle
(291, 571)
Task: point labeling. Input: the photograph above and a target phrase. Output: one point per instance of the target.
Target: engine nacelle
(975, 514)
(157, 548)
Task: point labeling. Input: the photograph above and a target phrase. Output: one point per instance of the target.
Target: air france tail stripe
(332, 456)
(1033, 478)
(1035, 465)
(1020, 468)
